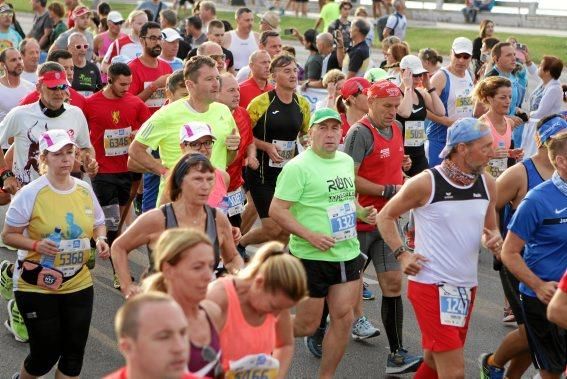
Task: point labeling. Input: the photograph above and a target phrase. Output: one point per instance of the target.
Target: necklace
(456, 175)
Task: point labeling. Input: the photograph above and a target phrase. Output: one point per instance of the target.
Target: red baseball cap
(353, 86)
(384, 88)
(53, 78)
(79, 11)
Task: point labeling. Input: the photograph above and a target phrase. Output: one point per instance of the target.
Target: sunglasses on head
(60, 87)
(84, 47)
(462, 55)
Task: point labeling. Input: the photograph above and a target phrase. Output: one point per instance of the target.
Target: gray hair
(73, 35)
(204, 45)
(255, 55)
(49, 66)
(326, 38)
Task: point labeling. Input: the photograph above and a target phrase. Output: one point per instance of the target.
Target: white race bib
(156, 99)
(258, 366)
(117, 141)
(497, 166)
(236, 200)
(343, 221)
(414, 133)
(72, 256)
(463, 105)
(286, 149)
(454, 304)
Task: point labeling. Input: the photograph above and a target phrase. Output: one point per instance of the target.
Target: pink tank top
(497, 138)
(238, 338)
(106, 42)
(219, 191)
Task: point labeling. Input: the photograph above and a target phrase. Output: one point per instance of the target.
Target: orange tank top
(219, 191)
(238, 338)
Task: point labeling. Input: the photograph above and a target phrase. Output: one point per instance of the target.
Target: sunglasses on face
(60, 87)
(462, 56)
(117, 23)
(154, 38)
(417, 76)
(79, 47)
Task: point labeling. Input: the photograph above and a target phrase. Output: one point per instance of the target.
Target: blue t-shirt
(541, 221)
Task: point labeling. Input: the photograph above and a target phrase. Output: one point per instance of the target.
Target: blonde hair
(281, 271)
(333, 76)
(488, 87)
(127, 316)
(389, 41)
(169, 249)
(134, 14)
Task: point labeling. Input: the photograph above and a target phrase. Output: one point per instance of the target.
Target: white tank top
(448, 231)
(460, 102)
(242, 48)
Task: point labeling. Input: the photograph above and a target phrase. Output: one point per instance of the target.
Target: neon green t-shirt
(329, 13)
(162, 131)
(323, 195)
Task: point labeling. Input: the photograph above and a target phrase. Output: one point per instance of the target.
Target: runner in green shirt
(315, 201)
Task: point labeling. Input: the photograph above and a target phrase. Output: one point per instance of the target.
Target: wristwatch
(399, 251)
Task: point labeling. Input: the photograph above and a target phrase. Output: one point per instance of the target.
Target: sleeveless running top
(219, 191)
(414, 135)
(496, 166)
(242, 48)
(197, 364)
(448, 240)
(534, 177)
(238, 338)
(210, 229)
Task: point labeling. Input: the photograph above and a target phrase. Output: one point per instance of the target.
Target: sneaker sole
(310, 351)
(405, 369)
(357, 337)
(9, 327)
(368, 298)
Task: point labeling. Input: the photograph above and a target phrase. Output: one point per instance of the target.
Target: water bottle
(55, 236)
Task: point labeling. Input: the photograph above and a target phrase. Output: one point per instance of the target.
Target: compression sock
(393, 320)
(425, 372)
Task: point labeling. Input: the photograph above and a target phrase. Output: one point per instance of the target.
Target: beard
(155, 52)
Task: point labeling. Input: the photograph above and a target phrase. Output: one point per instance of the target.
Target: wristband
(431, 89)
(399, 251)
(34, 246)
(389, 191)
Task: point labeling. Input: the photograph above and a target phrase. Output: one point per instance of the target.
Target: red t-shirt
(112, 123)
(563, 283)
(242, 119)
(76, 98)
(249, 90)
(143, 76)
(121, 374)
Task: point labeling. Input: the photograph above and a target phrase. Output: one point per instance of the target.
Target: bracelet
(399, 251)
(34, 246)
(431, 89)
(389, 191)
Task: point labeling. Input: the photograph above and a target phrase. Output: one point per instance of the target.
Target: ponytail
(154, 282)
(340, 104)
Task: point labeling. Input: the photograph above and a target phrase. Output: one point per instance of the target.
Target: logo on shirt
(476, 195)
(340, 189)
(385, 152)
(416, 110)
(557, 211)
(116, 117)
(276, 112)
(448, 195)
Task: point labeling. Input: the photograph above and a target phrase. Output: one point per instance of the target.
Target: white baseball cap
(412, 63)
(462, 45)
(192, 131)
(54, 140)
(115, 17)
(170, 35)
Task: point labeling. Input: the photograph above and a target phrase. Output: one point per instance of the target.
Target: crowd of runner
(194, 146)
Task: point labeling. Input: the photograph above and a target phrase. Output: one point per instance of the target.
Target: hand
(407, 79)
(412, 263)
(11, 185)
(340, 39)
(406, 163)
(295, 33)
(253, 163)
(492, 240)
(304, 86)
(517, 154)
(232, 141)
(321, 241)
(102, 249)
(90, 165)
(160, 82)
(130, 290)
(236, 234)
(527, 55)
(368, 214)
(545, 291)
(332, 89)
(47, 247)
(274, 154)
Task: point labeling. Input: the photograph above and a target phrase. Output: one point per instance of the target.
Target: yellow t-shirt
(40, 208)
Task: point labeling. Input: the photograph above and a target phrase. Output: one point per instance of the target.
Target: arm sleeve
(391, 22)
(150, 134)
(290, 183)
(82, 140)
(20, 210)
(550, 103)
(357, 143)
(525, 220)
(256, 108)
(98, 212)
(532, 69)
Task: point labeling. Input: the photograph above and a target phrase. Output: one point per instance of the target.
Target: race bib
(156, 99)
(463, 106)
(72, 256)
(343, 221)
(286, 149)
(259, 366)
(414, 133)
(497, 166)
(117, 141)
(454, 304)
(86, 93)
(235, 202)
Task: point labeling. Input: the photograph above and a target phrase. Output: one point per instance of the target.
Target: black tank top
(418, 113)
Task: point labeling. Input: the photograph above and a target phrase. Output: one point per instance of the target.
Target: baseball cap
(353, 86)
(384, 88)
(412, 63)
(323, 114)
(54, 140)
(550, 128)
(462, 45)
(272, 19)
(5, 8)
(192, 131)
(463, 130)
(170, 34)
(79, 11)
(376, 73)
(115, 17)
(53, 78)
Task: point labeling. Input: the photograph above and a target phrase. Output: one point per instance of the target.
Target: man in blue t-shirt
(540, 225)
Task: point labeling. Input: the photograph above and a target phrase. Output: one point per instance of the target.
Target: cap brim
(59, 145)
(173, 39)
(325, 118)
(461, 51)
(196, 137)
(55, 83)
(116, 21)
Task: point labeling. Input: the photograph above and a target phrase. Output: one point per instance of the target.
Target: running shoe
(115, 282)
(15, 323)
(366, 293)
(6, 282)
(487, 371)
(314, 343)
(509, 318)
(16, 376)
(363, 329)
(401, 362)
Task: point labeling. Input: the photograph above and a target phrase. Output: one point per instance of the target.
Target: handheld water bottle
(55, 236)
